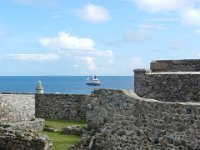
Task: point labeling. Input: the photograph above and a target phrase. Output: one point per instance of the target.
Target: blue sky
(103, 37)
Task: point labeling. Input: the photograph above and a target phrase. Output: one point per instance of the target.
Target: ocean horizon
(61, 84)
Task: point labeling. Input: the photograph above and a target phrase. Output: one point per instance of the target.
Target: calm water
(62, 84)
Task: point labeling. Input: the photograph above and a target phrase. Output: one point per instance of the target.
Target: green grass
(58, 124)
(62, 141)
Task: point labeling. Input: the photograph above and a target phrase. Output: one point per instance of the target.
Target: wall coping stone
(185, 72)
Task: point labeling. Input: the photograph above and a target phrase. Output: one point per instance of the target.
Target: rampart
(175, 81)
(122, 120)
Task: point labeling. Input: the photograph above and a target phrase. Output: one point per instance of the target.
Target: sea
(61, 84)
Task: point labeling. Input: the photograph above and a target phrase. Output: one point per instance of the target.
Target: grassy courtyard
(62, 141)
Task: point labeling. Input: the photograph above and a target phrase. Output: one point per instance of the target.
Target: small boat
(93, 81)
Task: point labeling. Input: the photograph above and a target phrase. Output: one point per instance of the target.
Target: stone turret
(39, 88)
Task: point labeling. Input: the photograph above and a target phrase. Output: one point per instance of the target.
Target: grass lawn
(62, 141)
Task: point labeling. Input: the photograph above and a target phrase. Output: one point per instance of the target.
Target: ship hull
(93, 84)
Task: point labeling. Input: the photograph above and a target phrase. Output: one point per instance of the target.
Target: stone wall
(16, 107)
(36, 125)
(18, 125)
(168, 86)
(61, 106)
(121, 120)
(175, 65)
(18, 140)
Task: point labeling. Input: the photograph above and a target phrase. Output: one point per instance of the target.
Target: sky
(102, 37)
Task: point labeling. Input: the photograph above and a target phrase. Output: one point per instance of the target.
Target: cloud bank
(79, 51)
(185, 9)
(66, 41)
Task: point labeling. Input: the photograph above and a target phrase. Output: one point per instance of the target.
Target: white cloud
(66, 41)
(160, 5)
(93, 13)
(138, 35)
(34, 57)
(156, 26)
(79, 50)
(107, 53)
(186, 10)
(191, 16)
(90, 63)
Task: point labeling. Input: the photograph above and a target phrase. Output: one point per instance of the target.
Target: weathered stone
(175, 65)
(152, 124)
(61, 106)
(169, 82)
(16, 107)
(13, 140)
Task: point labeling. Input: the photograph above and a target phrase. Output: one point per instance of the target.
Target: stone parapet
(175, 65)
(175, 87)
(169, 80)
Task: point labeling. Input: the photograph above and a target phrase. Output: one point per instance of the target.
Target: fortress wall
(18, 140)
(61, 106)
(123, 120)
(175, 65)
(117, 119)
(168, 86)
(16, 107)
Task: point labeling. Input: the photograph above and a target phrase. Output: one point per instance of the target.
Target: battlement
(175, 65)
(169, 80)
